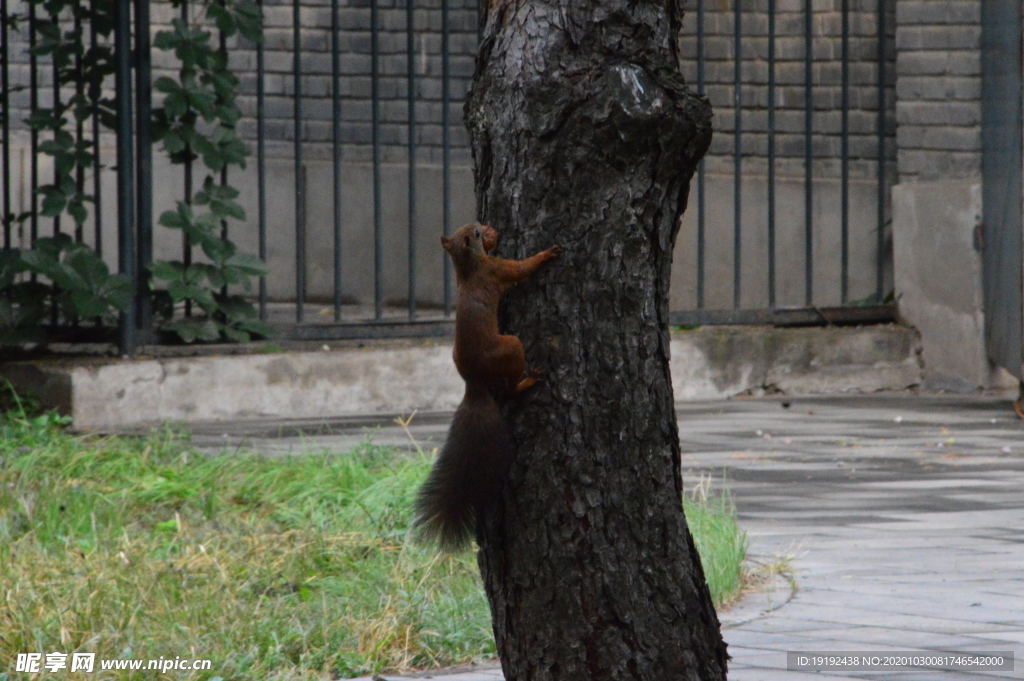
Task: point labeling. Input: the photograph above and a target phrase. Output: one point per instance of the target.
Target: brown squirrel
(467, 476)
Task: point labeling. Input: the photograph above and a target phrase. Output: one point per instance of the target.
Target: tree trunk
(585, 136)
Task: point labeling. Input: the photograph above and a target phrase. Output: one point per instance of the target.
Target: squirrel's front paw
(555, 251)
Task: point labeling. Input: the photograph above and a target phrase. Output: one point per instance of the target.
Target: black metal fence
(372, 90)
(804, 98)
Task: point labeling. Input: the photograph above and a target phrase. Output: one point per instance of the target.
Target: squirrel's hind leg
(507, 361)
(514, 388)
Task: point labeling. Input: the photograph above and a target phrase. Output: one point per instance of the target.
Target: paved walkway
(903, 516)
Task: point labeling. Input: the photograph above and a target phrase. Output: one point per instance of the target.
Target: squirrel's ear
(446, 243)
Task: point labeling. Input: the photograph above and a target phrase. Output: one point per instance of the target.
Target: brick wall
(938, 105)
(934, 91)
(720, 51)
(355, 36)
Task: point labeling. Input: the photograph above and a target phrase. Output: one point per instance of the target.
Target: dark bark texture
(584, 135)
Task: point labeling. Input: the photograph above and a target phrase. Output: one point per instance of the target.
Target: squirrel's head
(473, 239)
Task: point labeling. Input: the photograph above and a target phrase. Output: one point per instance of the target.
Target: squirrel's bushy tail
(468, 474)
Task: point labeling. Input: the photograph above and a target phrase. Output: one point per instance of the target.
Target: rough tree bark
(585, 135)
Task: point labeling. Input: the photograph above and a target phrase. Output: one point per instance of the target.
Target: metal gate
(1002, 225)
(788, 216)
(788, 221)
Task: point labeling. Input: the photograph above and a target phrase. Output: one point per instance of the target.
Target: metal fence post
(144, 156)
(808, 153)
(300, 184)
(336, 153)
(737, 196)
(700, 167)
(5, 114)
(125, 169)
(261, 173)
(880, 243)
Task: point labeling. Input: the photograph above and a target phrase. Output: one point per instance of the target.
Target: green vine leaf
(191, 330)
(167, 271)
(86, 288)
(247, 264)
(249, 19)
(203, 91)
(22, 310)
(11, 266)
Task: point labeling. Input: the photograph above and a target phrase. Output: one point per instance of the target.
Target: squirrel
(467, 476)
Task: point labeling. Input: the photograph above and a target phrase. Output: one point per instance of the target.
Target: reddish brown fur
(481, 353)
(468, 474)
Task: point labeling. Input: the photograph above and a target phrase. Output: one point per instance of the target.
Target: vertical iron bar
(300, 196)
(57, 113)
(223, 47)
(33, 98)
(771, 154)
(700, 167)
(378, 240)
(5, 114)
(144, 158)
(446, 155)
(186, 241)
(808, 129)
(125, 171)
(79, 123)
(411, 92)
(481, 20)
(336, 152)
(845, 152)
(95, 92)
(738, 151)
(880, 245)
(224, 222)
(261, 174)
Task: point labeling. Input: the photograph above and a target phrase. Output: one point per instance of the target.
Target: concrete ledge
(719, 362)
(116, 394)
(706, 363)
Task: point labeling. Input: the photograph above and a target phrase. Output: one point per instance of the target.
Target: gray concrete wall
(938, 279)
(790, 239)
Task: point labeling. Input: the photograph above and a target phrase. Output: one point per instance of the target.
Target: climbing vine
(194, 121)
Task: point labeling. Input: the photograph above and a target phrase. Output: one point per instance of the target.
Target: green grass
(721, 543)
(293, 568)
